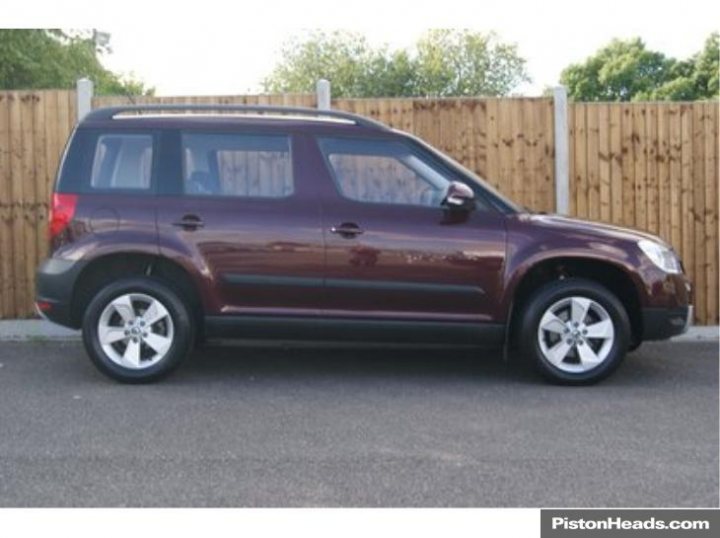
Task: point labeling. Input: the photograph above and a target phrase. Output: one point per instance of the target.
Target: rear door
(245, 213)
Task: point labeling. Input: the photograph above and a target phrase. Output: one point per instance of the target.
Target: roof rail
(110, 112)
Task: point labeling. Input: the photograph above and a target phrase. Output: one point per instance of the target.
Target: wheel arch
(104, 269)
(618, 279)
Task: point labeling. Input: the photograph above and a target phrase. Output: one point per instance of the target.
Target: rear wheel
(137, 330)
(574, 331)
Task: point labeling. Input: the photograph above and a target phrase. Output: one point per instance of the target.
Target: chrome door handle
(189, 222)
(347, 229)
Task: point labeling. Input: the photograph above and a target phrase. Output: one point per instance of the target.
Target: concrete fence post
(562, 160)
(84, 96)
(323, 94)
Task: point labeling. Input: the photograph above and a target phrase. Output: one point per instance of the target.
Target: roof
(233, 113)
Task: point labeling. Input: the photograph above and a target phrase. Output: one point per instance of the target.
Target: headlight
(661, 256)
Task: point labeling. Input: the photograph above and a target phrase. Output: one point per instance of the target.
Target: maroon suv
(291, 223)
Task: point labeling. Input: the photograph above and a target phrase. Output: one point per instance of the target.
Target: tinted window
(383, 172)
(122, 161)
(237, 165)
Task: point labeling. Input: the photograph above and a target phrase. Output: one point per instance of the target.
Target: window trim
(195, 132)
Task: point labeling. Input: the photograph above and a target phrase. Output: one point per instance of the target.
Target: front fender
(529, 248)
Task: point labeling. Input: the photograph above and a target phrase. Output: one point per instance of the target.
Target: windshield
(499, 200)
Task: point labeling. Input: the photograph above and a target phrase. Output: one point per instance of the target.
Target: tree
(464, 63)
(442, 63)
(37, 59)
(628, 71)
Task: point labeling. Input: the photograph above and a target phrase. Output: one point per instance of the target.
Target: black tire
(536, 306)
(182, 320)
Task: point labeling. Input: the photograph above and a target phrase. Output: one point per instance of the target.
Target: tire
(137, 330)
(566, 353)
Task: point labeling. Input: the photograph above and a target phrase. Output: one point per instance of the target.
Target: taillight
(62, 211)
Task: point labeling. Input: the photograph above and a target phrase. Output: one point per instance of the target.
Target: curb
(699, 333)
(39, 330)
(35, 330)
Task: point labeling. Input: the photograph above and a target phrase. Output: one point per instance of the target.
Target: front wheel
(574, 331)
(137, 330)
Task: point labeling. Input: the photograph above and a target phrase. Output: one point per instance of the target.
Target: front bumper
(664, 323)
(55, 281)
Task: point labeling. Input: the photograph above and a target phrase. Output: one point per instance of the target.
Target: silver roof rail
(109, 113)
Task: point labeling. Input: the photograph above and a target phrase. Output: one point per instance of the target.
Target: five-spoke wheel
(574, 330)
(576, 334)
(137, 329)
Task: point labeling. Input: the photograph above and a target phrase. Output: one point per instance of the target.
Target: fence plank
(581, 178)
(516, 139)
(547, 160)
(651, 183)
(27, 223)
(616, 164)
(662, 159)
(698, 212)
(675, 157)
(604, 158)
(686, 204)
(7, 296)
(640, 163)
(628, 166)
(592, 185)
(19, 283)
(492, 144)
(710, 179)
(506, 140)
(42, 177)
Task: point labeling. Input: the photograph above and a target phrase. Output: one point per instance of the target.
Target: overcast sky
(208, 47)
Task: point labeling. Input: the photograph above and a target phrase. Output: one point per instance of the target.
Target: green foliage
(442, 63)
(628, 71)
(464, 63)
(42, 59)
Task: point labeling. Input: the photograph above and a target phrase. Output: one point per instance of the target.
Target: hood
(571, 225)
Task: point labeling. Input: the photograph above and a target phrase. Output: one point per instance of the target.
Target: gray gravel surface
(331, 426)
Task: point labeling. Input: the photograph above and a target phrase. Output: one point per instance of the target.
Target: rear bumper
(664, 323)
(55, 283)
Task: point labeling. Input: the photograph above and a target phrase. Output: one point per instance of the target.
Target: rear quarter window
(108, 161)
(122, 161)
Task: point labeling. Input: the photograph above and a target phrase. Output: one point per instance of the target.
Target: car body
(325, 225)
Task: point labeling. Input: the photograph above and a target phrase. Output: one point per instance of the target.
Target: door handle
(189, 222)
(347, 230)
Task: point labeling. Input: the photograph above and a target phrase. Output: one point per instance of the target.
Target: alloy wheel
(135, 331)
(576, 334)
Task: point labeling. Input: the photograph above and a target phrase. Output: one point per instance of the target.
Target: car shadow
(350, 361)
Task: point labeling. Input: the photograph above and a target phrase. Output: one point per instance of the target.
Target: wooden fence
(34, 127)
(652, 166)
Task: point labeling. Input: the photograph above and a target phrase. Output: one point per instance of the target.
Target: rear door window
(237, 165)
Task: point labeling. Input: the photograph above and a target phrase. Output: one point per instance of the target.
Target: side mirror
(459, 196)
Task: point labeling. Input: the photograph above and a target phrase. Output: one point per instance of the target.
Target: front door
(393, 250)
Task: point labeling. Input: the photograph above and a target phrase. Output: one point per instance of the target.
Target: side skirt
(304, 328)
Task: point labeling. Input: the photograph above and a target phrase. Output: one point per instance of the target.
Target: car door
(247, 217)
(393, 249)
